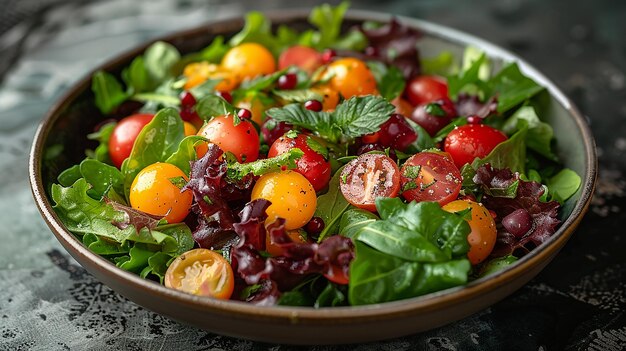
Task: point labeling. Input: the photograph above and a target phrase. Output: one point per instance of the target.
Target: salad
(319, 168)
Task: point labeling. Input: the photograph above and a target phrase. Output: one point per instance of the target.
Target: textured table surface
(49, 302)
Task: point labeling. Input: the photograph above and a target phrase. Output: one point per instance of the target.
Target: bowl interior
(61, 140)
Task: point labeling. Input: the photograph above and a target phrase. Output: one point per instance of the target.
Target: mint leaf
(362, 115)
(297, 115)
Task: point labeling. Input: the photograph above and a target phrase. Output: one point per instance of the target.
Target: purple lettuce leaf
(470, 105)
(544, 214)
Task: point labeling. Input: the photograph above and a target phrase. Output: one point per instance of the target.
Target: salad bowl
(58, 144)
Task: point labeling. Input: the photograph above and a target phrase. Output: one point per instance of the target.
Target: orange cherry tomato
(201, 272)
(199, 72)
(351, 77)
(256, 107)
(329, 95)
(241, 139)
(190, 129)
(154, 191)
(291, 194)
(249, 60)
(482, 238)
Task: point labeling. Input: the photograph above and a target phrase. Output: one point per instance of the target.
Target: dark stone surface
(48, 302)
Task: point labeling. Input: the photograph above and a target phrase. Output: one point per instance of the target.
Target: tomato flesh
(124, 135)
(201, 272)
(369, 177)
(482, 238)
(465, 143)
(312, 165)
(429, 176)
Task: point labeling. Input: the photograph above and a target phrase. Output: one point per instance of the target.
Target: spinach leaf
(376, 277)
(331, 296)
(108, 91)
(512, 87)
(353, 220)
(509, 154)
(159, 59)
(421, 232)
(186, 153)
(496, 264)
(563, 185)
(156, 142)
(331, 206)
(298, 95)
(539, 134)
(137, 77)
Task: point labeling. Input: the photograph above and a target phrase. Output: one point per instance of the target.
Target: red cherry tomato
(465, 143)
(241, 139)
(429, 176)
(124, 135)
(303, 57)
(441, 113)
(368, 177)
(312, 165)
(425, 89)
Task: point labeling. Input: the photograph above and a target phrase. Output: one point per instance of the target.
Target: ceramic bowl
(74, 116)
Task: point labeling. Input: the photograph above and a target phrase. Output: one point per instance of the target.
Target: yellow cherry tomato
(190, 129)
(482, 238)
(154, 191)
(201, 272)
(249, 60)
(351, 77)
(291, 194)
(329, 95)
(256, 107)
(199, 72)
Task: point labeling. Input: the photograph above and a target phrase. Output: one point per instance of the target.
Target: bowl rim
(346, 314)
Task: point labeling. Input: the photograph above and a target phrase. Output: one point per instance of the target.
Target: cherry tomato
(425, 89)
(351, 77)
(429, 176)
(276, 250)
(124, 135)
(291, 194)
(199, 72)
(312, 165)
(201, 272)
(482, 238)
(330, 97)
(154, 191)
(304, 57)
(241, 139)
(465, 143)
(190, 129)
(368, 177)
(403, 107)
(249, 60)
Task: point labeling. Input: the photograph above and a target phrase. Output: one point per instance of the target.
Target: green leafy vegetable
(328, 21)
(237, 171)
(509, 154)
(108, 91)
(512, 87)
(539, 134)
(563, 185)
(212, 106)
(441, 65)
(331, 206)
(353, 220)
(156, 142)
(497, 264)
(186, 153)
(298, 95)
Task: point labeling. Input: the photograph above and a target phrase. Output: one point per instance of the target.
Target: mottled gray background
(48, 302)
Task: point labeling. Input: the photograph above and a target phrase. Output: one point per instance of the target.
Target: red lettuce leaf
(134, 217)
(297, 261)
(470, 105)
(544, 214)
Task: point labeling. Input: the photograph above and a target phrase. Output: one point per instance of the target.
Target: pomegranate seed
(187, 99)
(315, 226)
(474, 120)
(287, 81)
(313, 105)
(225, 95)
(371, 51)
(328, 55)
(272, 130)
(244, 113)
(396, 133)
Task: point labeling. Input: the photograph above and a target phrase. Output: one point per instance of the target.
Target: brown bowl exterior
(297, 325)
